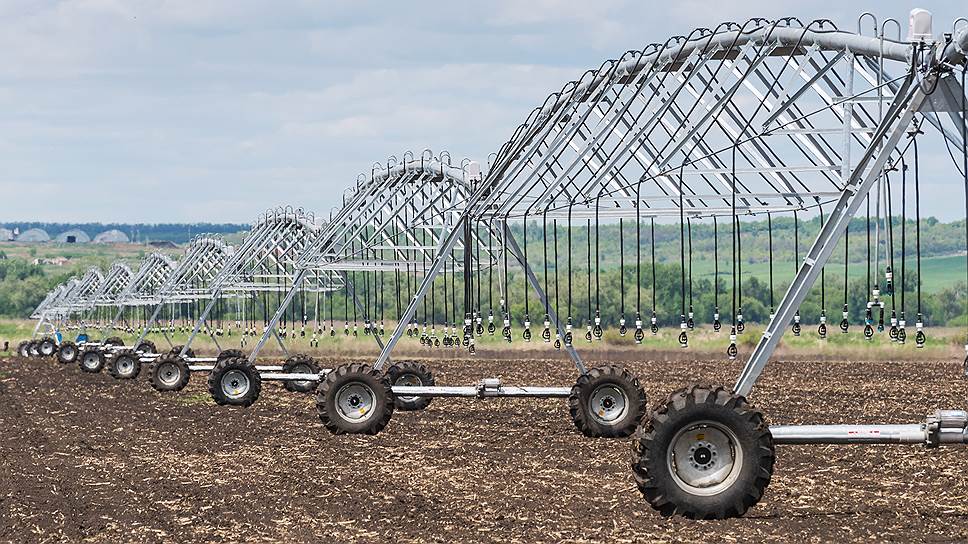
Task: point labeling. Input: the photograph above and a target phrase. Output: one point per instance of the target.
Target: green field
(938, 273)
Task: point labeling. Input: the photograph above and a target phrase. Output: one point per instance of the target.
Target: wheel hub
(91, 361)
(302, 369)
(608, 404)
(125, 366)
(235, 384)
(169, 374)
(354, 402)
(408, 379)
(705, 458)
(703, 455)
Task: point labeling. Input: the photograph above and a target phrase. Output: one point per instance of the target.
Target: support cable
(717, 324)
(622, 329)
(796, 266)
(919, 337)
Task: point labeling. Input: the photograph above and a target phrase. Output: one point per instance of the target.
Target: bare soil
(88, 458)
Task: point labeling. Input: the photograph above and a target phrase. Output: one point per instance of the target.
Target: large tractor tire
(234, 382)
(607, 401)
(169, 373)
(67, 353)
(354, 399)
(300, 364)
(704, 454)
(410, 373)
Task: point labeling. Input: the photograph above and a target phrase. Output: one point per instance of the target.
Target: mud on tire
(410, 373)
(703, 454)
(234, 382)
(354, 398)
(607, 401)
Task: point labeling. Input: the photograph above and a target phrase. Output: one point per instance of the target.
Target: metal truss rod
(833, 228)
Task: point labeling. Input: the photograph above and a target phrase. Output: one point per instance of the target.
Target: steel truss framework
(739, 121)
(265, 262)
(391, 221)
(189, 281)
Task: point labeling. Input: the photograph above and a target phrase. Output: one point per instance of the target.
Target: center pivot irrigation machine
(262, 265)
(717, 131)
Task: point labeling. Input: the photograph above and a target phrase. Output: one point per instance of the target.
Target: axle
(941, 427)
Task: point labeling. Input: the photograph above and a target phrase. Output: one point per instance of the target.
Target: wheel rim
(125, 366)
(91, 361)
(169, 373)
(408, 379)
(302, 369)
(705, 458)
(235, 384)
(355, 401)
(67, 352)
(25, 351)
(608, 404)
(47, 349)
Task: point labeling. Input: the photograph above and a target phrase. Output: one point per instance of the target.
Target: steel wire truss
(739, 121)
(392, 220)
(265, 262)
(74, 295)
(189, 282)
(143, 286)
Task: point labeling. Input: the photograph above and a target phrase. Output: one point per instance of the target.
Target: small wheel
(47, 347)
(176, 351)
(125, 366)
(230, 354)
(607, 402)
(410, 373)
(169, 373)
(705, 454)
(67, 353)
(33, 349)
(91, 361)
(354, 398)
(23, 349)
(146, 346)
(300, 364)
(234, 382)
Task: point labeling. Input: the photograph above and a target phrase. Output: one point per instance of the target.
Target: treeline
(138, 232)
(23, 286)
(606, 288)
(789, 236)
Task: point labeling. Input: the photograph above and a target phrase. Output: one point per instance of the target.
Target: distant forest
(141, 232)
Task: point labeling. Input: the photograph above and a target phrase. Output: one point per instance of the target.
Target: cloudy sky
(214, 110)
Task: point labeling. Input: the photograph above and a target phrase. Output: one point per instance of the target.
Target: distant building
(73, 236)
(33, 235)
(112, 236)
(55, 261)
